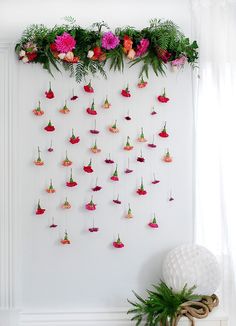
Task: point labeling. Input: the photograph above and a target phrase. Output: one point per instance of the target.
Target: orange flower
(127, 43)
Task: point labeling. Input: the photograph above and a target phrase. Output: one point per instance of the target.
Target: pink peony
(110, 41)
(179, 62)
(65, 43)
(142, 47)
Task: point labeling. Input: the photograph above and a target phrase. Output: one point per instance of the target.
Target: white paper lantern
(191, 265)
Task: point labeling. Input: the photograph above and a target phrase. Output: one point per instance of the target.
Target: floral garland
(84, 51)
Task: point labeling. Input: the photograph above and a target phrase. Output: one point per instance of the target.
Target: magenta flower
(110, 41)
(65, 43)
(142, 47)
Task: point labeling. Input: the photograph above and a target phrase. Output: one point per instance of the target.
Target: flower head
(142, 47)
(110, 41)
(114, 128)
(66, 161)
(71, 182)
(118, 243)
(49, 94)
(38, 111)
(39, 210)
(39, 161)
(65, 109)
(163, 133)
(66, 205)
(65, 240)
(153, 224)
(49, 127)
(167, 158)
(88, 168)
(129, 213)
(91, 206)
(114, 176)
(65, 43)
(51, 189)
(141, 191)
(179, 62)
(117, 201)
(106, 104)
(162, 98)
(73, 139)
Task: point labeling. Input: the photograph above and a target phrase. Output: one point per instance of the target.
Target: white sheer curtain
(214, 27)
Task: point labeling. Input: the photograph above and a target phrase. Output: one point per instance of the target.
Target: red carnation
(49, 127)
(49, 94)
(140, 158)
(163, 133)
(162, 98)
(91, 110)
(141, 190)
(31, 56)
(128, 118)
(117, 201)
(74, 97)
(71, 182)
(97, 53)
(118, 243)
(128, 170)
(53, 47)
(39, 210)
(91, 206)
(94, 131)
(73, 138)
(88, 88)
(108, 160)
(88, 168)
(125, 92)
(53, 225)
(93, 229)
(152, 145)
(153, 223)
(153, 112)
(115, 177)
(154, 182)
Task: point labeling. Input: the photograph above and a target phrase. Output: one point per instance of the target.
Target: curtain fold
(214, 28)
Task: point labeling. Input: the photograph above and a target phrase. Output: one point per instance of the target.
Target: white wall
(89, 274)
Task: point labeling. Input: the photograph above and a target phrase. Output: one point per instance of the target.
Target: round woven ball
(191, 265)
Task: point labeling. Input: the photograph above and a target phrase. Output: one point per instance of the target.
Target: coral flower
(96, 188)
(95, 149)
(118, 243)
(50, 189)
(66, 205)
(65, 109)
(91, 110)
(108, 160)
(140, 158)
(162, 98)
(39, 161)
(129, 213)
(127, 43)
(65, 240)
(142, 83)
(127, 146)
(49, 127)
(141, 138)
(142, 47)
(71, 182)
(163, 133)
(49, 94)
(91, 206)
(167, 158)
(114, 128)
(106, 104)
(73, 139)
(117, 201)
(110, 41)
(114, 176)
(153, 224)
(163, 54)
(38, 111)
(39, 210)
(53, 225)
(88, 168)
(65, 43)
(125, 92)
(88, 88)
(141, 191)
(66, 161)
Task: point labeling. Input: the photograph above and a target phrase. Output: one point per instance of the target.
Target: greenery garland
(83, 51)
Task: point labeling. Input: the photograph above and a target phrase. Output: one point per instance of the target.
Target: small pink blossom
(179, 62)
(142, 47)
(65, 43)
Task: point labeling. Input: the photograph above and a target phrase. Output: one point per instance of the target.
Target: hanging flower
(88, 168)
(127, 146)
(129, 213)
(140, 158)
(91, 110)
(38, 111)
(163, 133)
(106, 104)
(88, 88)
(152, 145)
(39, 210)
(163, 54)
(65, 240)
(118, 243)
(49, 127)
(96, 188)
(53, 225)
(49, 94)
(50, 149)
(94, 131)
(127, 117)
(114, 128)
(153, 112)
(74, 97)
(153, 224)
(128, 170)
(71, 182)
(39, 161)
(66, 161)
(162, 98)
(179, 62)
(142, 47)
(51, 189)
(65, 43)
(108, 160)
(171, 198)
(65, 109)
(95, 149)
(91, 206)
(110, 41)
(93, 229)
(114, 176)
(142, 83)
(73, 138)
(141, 138)
(141, 191)
(127, 44)
(155, 181)
(66, 204)
(117, 201)
(167, 158)
(125, 92)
